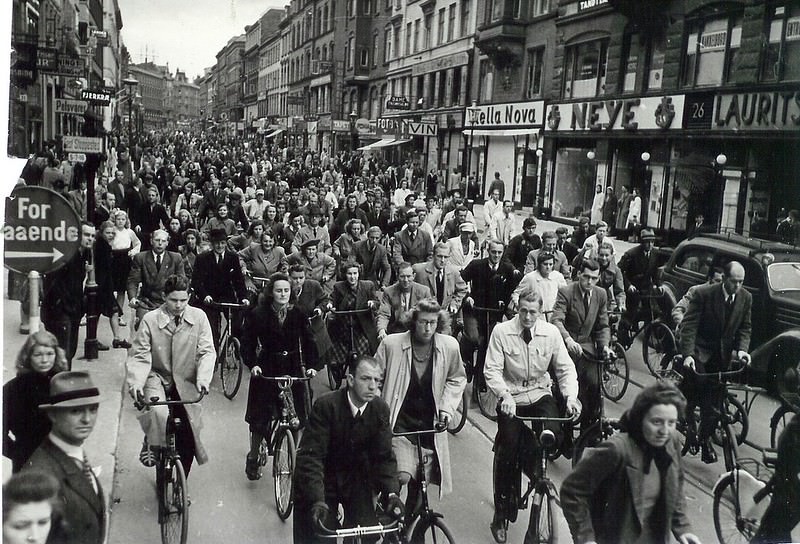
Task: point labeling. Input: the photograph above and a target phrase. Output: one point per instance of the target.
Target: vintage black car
(772, 276)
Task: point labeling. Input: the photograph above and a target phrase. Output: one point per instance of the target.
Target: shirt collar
(520, 327)
(76, 452)
(353, 408)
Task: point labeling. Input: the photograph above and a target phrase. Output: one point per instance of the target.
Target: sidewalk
(108, 374)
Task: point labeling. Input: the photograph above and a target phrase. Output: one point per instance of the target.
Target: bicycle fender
(721, 477)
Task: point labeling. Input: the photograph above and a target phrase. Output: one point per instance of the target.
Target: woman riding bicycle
(631, 488)
(282, 331)
(352, 294)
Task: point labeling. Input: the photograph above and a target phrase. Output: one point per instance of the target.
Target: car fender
(771, 356)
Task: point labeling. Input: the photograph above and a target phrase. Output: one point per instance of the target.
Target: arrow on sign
(55, 254)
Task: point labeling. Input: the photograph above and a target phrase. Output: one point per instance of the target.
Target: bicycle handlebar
(349, 312)
(284, 381)
(720, 374)
(543, 418)
(501, 307)
(141, 402)
(357, 531)
(228, 305)
(437, 428)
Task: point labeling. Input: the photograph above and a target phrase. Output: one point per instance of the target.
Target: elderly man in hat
(218, 277)
(639, 266)
(319, 267)
(313, 230)
(72, 410)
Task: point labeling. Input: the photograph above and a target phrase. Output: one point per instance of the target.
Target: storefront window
(585, 73)
(782, 48)
(574, 182)
(630, 67)
(711, 49)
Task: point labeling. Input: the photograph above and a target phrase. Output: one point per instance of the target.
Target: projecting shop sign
(74, 107)
(83, 144)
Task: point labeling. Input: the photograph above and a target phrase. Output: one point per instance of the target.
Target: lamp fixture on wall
(590, 155)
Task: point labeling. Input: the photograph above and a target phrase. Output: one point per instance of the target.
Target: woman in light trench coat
(395, 355)
(173, 351)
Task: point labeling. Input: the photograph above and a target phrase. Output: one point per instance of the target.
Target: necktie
(158, 263)
(219, 259)
(358, 414)
(88, 474)
(586, 300)
(412, 235)
(440, 287)
(405, 301)
(315, 232)
(526, 336)
(282, 315)
(177, 321)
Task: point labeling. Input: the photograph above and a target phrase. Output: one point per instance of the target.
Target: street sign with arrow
(42, 230)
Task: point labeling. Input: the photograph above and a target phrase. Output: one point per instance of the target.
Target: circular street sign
(42, 230)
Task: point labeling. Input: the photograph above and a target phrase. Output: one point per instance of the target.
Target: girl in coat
(631, 488)
(353, 294)
(281, 331)
(39, 360)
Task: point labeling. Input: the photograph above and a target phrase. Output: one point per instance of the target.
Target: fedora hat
(647, 234)
(217, 235)
(70, 389)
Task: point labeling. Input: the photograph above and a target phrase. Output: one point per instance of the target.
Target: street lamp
(130, 84)
(720, 161)
(473, 112)
(353, 131)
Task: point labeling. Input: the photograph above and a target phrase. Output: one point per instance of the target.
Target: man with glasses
(581, 316)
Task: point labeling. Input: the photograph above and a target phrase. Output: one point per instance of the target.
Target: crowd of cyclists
(331, 256)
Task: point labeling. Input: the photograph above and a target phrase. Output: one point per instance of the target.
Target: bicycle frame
(543, 481)
(288, 411)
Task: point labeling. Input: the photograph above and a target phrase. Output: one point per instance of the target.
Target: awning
(274, 133)
(501, 131)
(385, 142)
(373, 145)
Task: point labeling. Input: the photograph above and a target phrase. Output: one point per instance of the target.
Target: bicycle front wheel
(431, 530)
(589, 438)
(732, 525)
(615, 375)
(282, 471)
(658, 343)
(175, 504)
(230, 369)
(460, 417)
(737, 418)
(542, 519)
(776, 425)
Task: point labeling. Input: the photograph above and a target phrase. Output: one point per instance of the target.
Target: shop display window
(711, 48)
(781, 59)
(574, 189)
(585, 69)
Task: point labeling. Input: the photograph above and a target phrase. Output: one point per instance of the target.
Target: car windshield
(784, 276)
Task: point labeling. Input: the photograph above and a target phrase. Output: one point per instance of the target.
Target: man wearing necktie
(581, 316)
(345, 457)
(715, 330)
(521, 354)
(72, 410)
(398, 300)
(443, 279)
(639, 266)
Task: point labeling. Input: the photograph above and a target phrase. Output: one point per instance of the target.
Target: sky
(186, 34)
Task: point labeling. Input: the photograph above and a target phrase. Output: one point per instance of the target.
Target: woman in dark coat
(39, 360)
(353, 294)
(610, 209)
(282, 331)
(631, 488)
(103, 266)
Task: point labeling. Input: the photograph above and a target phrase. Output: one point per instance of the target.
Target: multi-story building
(252, 41)
(229, 71)
(112, 61)
(152, 88)
(185, 101)
(207, 88)
(269, 73)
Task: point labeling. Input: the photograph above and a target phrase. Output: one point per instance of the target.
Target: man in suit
(522, 244)
(78, 199)
(412, 245)
(373, 258)
(117, 187)
(581, 316)
(639, 266)
(218, 277)
(491, 283)
(371, 208)
(313, 230)
(72, 410)
(310, 298)
(501, 224)
(152, 216)
(345, 457)
(549, 243)
(63, 302)
(149, 270)
(698, 227)
(444, 281)
(563, 244)
(211, 200)
(398, 301)
(715, 331)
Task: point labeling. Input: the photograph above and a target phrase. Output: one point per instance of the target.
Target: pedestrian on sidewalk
(24, 425)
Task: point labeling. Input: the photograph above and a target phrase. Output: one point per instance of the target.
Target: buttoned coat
(457, 256)
(365, 292)
(221, 281)
(602, 497)
(708, 332)
(392, 317)
(187, 354)
(84, 511)
(638, 269)
(414, 251)
(314, 297)
(455, 288)
(375, 264)
(322, 266)
(588, 328)
(262, 263)
(449, 380)
(146, 283)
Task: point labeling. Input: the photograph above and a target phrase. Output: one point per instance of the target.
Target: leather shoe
(102, 347)
(121, 344)
(708, 455)
(499, 532)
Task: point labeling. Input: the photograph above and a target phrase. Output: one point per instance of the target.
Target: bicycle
(357, 532)
(422, 519)
(602, 428)
(615, 373)
(229, 358)
(171, 487)
(545, 494)
(283, 446)
(658, 339)
(487, 401)
(336, 370)
(460, 417)
(784, 412)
